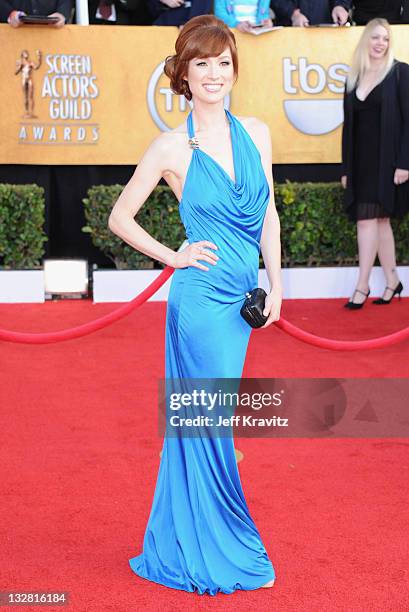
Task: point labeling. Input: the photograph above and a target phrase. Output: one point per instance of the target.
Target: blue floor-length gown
(200, 535)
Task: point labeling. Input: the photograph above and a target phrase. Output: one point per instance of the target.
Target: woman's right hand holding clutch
(194, 252)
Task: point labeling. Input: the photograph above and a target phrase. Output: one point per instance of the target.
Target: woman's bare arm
(270, 243)
(143, 181)
(270, 238)
(122, 218)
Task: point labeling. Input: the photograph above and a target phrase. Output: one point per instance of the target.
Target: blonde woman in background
(375, 155)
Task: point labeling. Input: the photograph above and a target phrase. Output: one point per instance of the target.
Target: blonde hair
(361, 60)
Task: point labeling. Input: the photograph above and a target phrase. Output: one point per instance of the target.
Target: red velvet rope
(122, 311)
(342, 345)
(88, 328)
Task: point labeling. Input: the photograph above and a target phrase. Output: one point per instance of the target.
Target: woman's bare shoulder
(170, 137)
(169, 151)
(258, 130)
(166, 151)
(253, 123)
(167, 141)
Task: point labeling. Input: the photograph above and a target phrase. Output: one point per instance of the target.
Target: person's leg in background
(367, 236)
(387, 256)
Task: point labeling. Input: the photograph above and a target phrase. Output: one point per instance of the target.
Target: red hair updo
(201, 36)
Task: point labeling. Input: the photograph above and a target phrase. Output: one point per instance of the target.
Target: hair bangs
(210, 44)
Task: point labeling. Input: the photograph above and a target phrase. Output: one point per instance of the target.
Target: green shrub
(314, 228)
(21, 226)
(159, 216)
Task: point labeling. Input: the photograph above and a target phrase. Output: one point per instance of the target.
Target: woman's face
(211, 78)
(378, 42)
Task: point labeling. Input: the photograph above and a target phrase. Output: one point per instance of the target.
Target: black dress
(375, 141)
(367, 126)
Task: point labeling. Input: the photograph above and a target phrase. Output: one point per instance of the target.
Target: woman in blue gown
(200, 535)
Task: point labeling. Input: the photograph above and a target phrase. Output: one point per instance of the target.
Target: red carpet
(80, 454)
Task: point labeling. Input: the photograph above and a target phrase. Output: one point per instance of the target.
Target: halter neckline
(195, 146)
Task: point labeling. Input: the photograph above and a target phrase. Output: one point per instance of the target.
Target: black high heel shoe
(355, 305)
(398, 289)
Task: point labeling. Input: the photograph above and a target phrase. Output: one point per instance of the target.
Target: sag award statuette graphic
(26, 67)
(67, 88)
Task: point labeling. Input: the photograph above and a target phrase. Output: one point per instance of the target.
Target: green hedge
(159, 216)
(21, 226)
(314, 228)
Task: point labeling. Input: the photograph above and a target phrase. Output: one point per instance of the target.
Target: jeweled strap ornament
(193, 142)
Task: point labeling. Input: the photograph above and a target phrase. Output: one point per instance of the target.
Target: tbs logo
(309, 116)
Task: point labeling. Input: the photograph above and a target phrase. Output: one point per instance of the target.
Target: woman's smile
(213, 87)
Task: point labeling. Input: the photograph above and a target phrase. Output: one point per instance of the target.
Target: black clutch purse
(253, 306)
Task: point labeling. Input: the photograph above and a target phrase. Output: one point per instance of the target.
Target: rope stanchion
(122, 311)
(88, 328)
